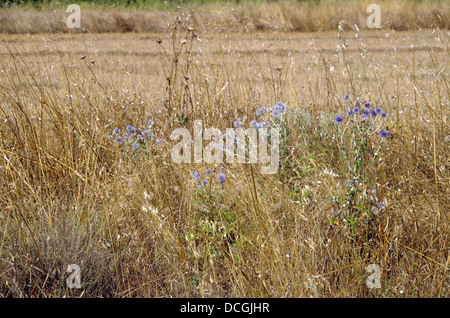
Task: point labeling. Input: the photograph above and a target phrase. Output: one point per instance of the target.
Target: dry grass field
(140, 225)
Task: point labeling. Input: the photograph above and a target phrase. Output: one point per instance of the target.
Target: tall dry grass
(306, 16)
(139, 225)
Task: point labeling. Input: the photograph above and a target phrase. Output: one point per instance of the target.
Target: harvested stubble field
(139, 225)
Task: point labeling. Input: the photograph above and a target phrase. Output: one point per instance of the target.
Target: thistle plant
(133, 139)
(361, 138)
(274, 117)
(207, 187)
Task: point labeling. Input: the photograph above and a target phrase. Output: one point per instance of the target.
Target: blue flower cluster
(197, 176)
(134, 136)
(268, 115)
(279, 109)
(364, 113)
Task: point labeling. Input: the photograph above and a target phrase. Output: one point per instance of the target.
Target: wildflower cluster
(212, 208)
(277, 114)
(135, 137)
(205, 181)
(355, 134)
(267, 117)
(271, 115)
(367, 113)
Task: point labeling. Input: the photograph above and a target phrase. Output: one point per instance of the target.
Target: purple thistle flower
(116, 130)
(150, 122)
(356, 110)
(350, 112)
(253, 122)
(205, 182)
(383, 115)
(208, 171)
(119, 139)
(158, 141)
(346, 97)
(222, 169)
(221, 178)
(260, 111)
(237, 124)
(196, 175)
(384, 133)
(378, 110)
(367, 105)
(276, 113)
(131, 129)
(135, 145)
(339, 119)
(279, 106)
(358, 102)
(374, 113)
